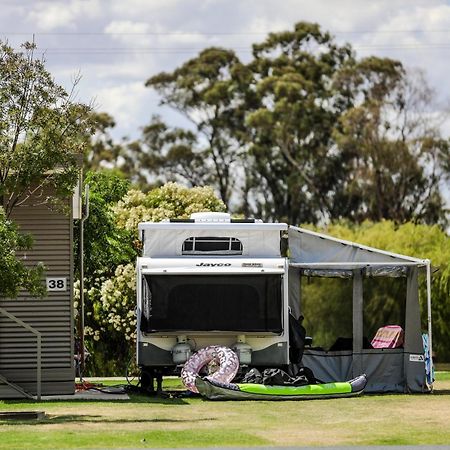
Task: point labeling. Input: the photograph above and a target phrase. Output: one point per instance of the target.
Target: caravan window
(212, 245)
(241, 303)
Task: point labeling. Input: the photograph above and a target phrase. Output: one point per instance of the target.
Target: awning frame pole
(430, 337)
(82, 295)
(357, 265)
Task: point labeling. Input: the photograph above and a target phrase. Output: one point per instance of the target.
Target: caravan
(213, 280)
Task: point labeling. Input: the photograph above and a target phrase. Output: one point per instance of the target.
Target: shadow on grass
(441, 392)
(134, 398)
(84, 418)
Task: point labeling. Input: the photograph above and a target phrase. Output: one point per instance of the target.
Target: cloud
(129, 103)
(53, 15)
(144, 8)
(126, 26)
(155, 35)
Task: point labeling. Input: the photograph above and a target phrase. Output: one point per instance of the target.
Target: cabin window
(212, 245)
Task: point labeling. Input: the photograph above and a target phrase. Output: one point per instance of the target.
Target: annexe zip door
(240, 303)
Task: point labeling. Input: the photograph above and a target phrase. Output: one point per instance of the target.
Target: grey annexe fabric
(388, 370)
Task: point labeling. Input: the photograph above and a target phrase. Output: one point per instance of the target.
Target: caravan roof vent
(213, 217)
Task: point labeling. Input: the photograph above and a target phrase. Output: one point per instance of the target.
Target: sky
(116, 45)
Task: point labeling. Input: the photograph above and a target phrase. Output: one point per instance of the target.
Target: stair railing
(38, 335)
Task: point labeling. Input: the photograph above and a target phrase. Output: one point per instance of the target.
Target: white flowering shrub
(167, 202)
(118, 300)
(110, 322)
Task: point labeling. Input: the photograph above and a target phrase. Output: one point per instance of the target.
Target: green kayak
(248, 391)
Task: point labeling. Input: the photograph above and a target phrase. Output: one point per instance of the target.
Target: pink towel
(390, 336)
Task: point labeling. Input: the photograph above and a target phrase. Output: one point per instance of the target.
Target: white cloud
(128, 103)
(144, 8)
(177, 29)
(126, 26)
(53, 15)
(129, 33)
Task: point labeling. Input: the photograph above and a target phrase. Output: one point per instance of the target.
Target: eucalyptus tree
(296, 167)
(304, 132)
(392, 139)
(206, 90)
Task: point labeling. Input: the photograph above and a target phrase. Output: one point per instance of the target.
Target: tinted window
(213, 302)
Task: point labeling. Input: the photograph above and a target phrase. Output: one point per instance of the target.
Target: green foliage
(305, 132)
(106, 245)
(172, 154)
(392, 145)
(292, 122)
(384, 298)
(327, 308)
(43, 131)
(208, 90)
(14, 275)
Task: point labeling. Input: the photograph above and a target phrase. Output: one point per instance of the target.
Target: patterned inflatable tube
(228, 365)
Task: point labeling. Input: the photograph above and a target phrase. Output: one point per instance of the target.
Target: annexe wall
(52, 315)
(388, 370)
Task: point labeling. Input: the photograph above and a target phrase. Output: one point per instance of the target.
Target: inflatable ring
(228, 365)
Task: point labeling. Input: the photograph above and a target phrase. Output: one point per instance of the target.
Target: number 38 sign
(56, 283)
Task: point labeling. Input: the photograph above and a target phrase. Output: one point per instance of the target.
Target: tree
(14, 275)
(305, 132)
(102, 151)
(171, 154)
(43, 131)
(206, 90)
(393, 145)
(171, 201)
(295, 167)
(106, 245)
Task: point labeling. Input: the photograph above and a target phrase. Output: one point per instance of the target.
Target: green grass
(135, 439)
(188, 422)
(442, 376)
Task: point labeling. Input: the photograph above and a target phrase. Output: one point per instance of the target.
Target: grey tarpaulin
(384, 368)
(294, 292)
(388, 370)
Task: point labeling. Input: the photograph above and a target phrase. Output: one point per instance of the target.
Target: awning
(319, 255)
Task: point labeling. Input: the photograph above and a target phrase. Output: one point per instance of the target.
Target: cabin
(37, 334)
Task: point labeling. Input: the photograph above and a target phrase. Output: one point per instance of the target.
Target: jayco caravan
(212, 280)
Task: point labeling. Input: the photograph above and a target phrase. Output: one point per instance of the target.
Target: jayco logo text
(213, 264)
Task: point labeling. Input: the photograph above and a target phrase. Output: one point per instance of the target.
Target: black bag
(297, 334)
(253, 376)
(278, 377)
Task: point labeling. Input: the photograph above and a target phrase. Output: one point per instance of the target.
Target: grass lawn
(188, 422)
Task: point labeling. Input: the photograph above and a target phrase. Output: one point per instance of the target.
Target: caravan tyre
(225, 357)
